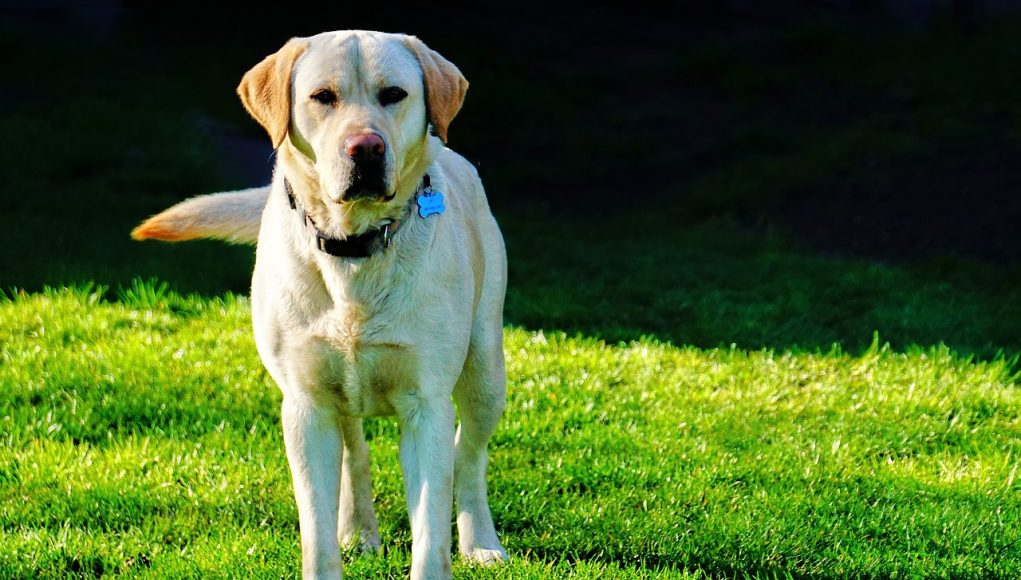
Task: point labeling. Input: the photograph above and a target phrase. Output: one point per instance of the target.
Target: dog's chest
(362, 349)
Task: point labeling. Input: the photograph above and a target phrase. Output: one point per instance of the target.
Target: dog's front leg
(427, 460)
(313, 440)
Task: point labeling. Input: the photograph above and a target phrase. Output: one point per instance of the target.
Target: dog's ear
(266, 90)
(445, 86)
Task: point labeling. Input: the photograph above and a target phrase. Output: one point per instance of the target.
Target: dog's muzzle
(367, 151)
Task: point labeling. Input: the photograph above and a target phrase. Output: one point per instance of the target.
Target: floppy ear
(266, 90)
(445, 86)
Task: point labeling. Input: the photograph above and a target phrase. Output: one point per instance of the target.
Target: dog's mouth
(367, 183)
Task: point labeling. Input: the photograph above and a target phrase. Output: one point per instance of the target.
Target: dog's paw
(366, 544)
(485, 556)
(370, 546)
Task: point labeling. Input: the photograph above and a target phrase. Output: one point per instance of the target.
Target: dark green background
(787, 175)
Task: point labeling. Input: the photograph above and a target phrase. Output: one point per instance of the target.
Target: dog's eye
(391, 95)
(325, 96)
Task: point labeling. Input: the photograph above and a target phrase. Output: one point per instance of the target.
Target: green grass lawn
(696, 390)
(142, 437)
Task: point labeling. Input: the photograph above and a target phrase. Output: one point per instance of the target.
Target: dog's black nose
(365, 148)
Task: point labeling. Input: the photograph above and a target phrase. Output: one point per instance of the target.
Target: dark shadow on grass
(768, 178)
(717, 283)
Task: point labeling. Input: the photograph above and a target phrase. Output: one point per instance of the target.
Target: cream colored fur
(404, 332)
(232, 216)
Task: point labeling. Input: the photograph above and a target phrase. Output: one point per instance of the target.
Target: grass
(142, 437)
(714, 283)
(695, 390)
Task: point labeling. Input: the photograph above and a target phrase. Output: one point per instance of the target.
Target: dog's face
(358, 112)
(355, 107)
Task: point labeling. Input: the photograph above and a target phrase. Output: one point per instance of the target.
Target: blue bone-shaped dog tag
(430, 203)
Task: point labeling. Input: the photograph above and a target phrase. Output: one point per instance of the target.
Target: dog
(378, 289)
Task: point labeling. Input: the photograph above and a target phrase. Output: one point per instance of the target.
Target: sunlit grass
(142, 437)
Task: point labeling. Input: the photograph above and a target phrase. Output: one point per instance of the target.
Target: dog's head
(349, 112)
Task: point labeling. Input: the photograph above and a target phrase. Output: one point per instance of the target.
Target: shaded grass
(687, 241)
(715, 283)
(84, 164)
(144, 438)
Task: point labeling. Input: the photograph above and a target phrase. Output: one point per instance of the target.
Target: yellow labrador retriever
(378, 288)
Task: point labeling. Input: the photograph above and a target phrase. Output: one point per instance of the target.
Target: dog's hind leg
(356, 523)
(480, 394)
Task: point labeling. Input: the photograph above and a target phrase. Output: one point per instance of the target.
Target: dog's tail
(233, 216)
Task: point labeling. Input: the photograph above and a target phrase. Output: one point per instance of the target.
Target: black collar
(361, 246)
